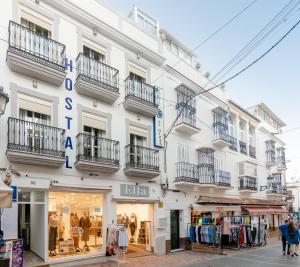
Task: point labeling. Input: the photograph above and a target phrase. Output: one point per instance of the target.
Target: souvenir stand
(117, 242)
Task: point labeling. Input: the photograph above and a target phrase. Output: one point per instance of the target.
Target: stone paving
(269, 255)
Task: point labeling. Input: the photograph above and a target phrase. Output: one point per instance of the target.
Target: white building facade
(91, 95)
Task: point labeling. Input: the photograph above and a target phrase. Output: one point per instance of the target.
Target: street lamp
(3, 100)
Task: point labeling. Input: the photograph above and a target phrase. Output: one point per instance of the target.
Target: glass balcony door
(94, 146)
(137, 155)
(36, 137)
(91, 66)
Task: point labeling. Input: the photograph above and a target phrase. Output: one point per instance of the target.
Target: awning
(215, 208)
(5, 195)
(258, 210)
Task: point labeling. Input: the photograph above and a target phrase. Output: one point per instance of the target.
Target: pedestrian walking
(293, 238)
(282, 235)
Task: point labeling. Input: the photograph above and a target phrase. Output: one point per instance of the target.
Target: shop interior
(138, 219)
(74, 223)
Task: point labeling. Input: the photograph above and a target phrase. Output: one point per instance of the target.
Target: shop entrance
(31, 225)
(138, 219)
(175, 239)
(74, 224)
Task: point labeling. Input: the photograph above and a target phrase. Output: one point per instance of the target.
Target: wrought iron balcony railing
(277, 189)
(248, 183)
(281, 162)
(141, 157)
(97, 71)
(233, 143)
(36, 47)
(222, 178)
(96, 149)
(141, 91)
(186, 117)
(252, 151)
(187, 172)
(221, 134)
(243, 147)
(29, 137)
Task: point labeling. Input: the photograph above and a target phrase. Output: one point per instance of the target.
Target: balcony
(248, 184)
(223, 178)
(141, 161)
(233, 143)
(141, 98)
(276, 189)
(36, 56)
(252, 152)
(270, 154)
(97, 154)
(186, 122)
(222, 139)
(96, 79)
(35, 144)
(243, 147)
(281, 163)
(194, 175)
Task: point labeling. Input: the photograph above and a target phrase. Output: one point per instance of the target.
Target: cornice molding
(272, 136)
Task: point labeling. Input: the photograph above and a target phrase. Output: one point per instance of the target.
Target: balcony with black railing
(35, 144)
(276, 189)
(233, 143)
(96, 79)
(141, 161)
(248, 184)
(97, 154)
(141, 97)
(252, 151)
(220, 125)
(270, 153)
(202, 176)
(37, 56)
(243, 147)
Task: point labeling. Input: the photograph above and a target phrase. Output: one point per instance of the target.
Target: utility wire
(212, 35)
(233, 76)
(279, 18)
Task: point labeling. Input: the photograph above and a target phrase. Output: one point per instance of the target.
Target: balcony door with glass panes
(94, 146)
(137, 85)
(137, 151)
(36, 135)
(92, 66)
(37, 42)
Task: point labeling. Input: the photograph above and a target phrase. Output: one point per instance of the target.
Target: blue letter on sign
(68, 104)
(69, 142)
(68, 166)
(68, 122)
(68, 84)
(67, 64)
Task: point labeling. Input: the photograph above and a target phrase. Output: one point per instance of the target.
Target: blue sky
(274, 80)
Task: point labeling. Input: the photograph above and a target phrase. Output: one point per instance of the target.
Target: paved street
(258, 257)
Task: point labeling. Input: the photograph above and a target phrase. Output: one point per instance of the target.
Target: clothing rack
(120, 227)
(212, 247)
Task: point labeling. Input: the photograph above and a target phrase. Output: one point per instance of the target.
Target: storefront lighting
(3, 100)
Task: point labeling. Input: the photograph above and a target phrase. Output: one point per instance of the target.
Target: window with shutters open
(95, 144)
(36, 116)
(183, 153)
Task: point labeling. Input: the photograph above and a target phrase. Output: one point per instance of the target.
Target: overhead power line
(233, 76)
(211, 35)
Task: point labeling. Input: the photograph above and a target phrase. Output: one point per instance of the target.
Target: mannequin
(132, 226)
(125, 220)
(75, 223)
(61, 227)
(85, 224)
(53, 225)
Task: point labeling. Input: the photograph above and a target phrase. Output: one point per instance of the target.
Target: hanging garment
(133, 224)
(52, 238)
(123, 239)
(192, 234)
(85, 224)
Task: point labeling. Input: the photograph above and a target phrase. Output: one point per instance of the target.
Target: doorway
(175, 241)
(138, 220)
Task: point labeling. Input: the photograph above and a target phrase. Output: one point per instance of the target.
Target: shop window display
(74, 223)
(137, 219)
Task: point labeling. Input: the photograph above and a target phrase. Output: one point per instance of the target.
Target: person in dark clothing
(282, 236)
(293, 239)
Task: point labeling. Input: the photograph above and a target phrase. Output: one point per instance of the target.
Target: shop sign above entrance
(129, 190)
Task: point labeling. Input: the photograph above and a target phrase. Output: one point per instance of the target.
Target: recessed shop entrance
(138, 220)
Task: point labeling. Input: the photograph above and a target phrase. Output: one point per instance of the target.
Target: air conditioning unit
(247, 169)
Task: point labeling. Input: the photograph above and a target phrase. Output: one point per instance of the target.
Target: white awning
(5, 195)
(215, 208)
